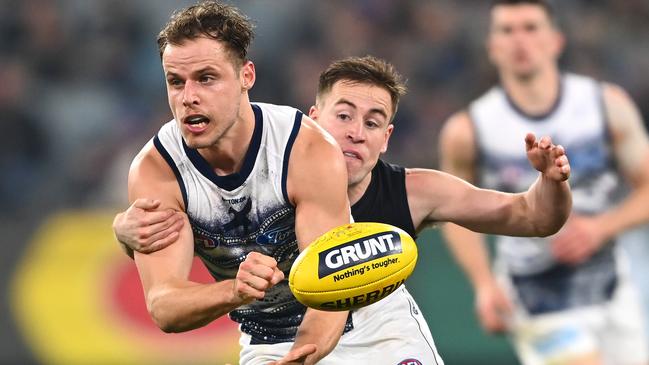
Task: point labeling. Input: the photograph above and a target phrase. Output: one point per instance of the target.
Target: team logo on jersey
(357, 252)
(277, 229)
(239, 218)
(277, 235)
(410, 362)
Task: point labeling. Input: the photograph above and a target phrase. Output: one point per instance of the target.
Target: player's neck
(536, 95)
(228, 155)
(355, 191)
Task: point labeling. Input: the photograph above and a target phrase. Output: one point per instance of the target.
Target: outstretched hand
(549, 159)
(297, 356)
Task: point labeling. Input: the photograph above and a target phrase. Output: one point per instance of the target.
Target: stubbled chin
(353, 165)
(354, 173)
(195, 142)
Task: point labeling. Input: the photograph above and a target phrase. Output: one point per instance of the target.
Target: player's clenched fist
(547, 158)
(257, 273)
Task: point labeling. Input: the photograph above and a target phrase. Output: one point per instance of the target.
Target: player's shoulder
(578, 87)
(389, 168)
(458, 128)
(494, 97)
(608, 89)
(274, 107)
(614, 93)
(616, 101)
(622, 114)
(458, 119)
(315, 152)
(312, 137)
(149, 163)
(278, 113)
(420, 179)
(150, 175)
(577, 78)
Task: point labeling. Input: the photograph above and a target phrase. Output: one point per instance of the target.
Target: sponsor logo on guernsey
(410, 362)
(281, 230)
(357, 252)
(362, 299)
(235, 200)
(203, 241)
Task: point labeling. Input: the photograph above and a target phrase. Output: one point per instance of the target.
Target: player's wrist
(547, 178)
(484, 284)
(604, 228)
(232, 297)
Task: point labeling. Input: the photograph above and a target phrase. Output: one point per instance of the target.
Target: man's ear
(314, 112)
(248, 75)
(388, 133)
(560, 43)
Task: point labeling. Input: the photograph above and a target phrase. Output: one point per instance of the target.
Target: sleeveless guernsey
(386, 199)
(247, 211)
(577, 121)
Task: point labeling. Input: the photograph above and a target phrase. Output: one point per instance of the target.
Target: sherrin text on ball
(352, 266)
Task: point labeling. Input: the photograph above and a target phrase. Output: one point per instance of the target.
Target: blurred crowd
(82, 88)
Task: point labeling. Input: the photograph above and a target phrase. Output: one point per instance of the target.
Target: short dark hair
(364, 70)
(210, 19)
(545, 4)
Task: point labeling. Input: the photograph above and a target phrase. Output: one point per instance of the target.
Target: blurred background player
(572, 299)
(356, 102)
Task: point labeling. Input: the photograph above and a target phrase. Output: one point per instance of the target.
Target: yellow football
(352, 266)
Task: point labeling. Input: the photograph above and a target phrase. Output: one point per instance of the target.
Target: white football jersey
(247, 211)
(578, 122)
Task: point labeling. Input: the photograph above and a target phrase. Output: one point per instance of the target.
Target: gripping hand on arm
(145, 228)
(174, 302)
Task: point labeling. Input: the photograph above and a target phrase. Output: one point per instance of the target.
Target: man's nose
(356, 132)
(190, 94)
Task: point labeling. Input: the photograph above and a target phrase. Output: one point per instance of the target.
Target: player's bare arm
(540, 211)
(317, 187)
(144, 228)
(458, 157)
(582, 236)
(175, 303)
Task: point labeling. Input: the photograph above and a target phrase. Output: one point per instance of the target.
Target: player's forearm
(183, 306)
(469, 251)
(628, 214)
(548, 204)
(322, 329)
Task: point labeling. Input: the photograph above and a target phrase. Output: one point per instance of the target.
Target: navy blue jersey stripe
(542, 116)
(232, 181)
(287, 153)
(606, 123)
(170, 161)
